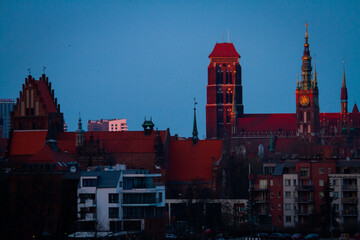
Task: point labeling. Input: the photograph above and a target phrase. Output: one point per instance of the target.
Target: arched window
(219, 96)
(231, 97)
(227, 77)
(217, 74)
(230, 77)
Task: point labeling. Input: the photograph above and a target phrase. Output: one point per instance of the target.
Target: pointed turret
(344, 95)
(80, 134)
(306, 64)
(195, 137)
(344, 102)
(355, 109)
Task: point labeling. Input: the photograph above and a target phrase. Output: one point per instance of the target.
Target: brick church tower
(307, 98)
(224, 75)
(37, 108)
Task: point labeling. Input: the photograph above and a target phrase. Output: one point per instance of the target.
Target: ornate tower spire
(306, 64)
(315, 75)
(195, 137)
(344, 100)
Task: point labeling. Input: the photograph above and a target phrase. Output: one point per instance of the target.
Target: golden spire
(306, 33)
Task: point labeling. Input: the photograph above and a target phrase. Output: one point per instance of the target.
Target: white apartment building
(291, 200)
(118, 201)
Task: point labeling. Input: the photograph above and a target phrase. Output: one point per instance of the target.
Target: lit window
(321, 194)
(321, 183)
(287, 182)
(271, 182)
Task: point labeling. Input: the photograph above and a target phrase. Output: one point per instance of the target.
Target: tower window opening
(217, 76)
(221, 76)
(230, 77)
(231, 97)
(227, 77)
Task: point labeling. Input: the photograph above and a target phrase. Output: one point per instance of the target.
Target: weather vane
(29, 71)
(44, 69)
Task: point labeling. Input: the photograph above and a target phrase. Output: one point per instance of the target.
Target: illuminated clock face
(304, 100)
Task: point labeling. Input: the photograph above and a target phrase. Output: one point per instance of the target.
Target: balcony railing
(346, 187)
(258, 187)
(304, 187)
(350, 212)
(304, 213)
(141, 201)
(304, 200)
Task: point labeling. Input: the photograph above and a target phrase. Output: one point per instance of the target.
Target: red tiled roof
(114, 142)
(27, 142)
(46, 95)
(48, 155)
(267, 122)
(224, 50)
(189, 162)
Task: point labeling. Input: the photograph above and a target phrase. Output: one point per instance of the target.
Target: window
(89, 182)
(271, 182)
(113, 212)
(329, 170)
(271, 206)
(321, 194)
(287, 182)
(263, 184)
(279, 206)
(271, 194)
(287, 194)
(304, 172)
(279, 218)
(113, 198)
(321, 183)
(84, 196)
(279, 194)
(160, 196)
(279, 182)
(294, 182)
(335, 182)
(288, 206)
(321, 170)
(288, 219)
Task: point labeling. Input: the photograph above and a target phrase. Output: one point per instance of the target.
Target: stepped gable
(189, 162)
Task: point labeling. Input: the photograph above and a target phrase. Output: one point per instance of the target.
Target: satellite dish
(73, 169)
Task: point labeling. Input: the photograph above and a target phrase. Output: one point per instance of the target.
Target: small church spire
(79, 123)
(271, 147)
(195, 137)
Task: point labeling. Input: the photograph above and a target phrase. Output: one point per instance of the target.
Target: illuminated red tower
(307, 98)
(224, 74)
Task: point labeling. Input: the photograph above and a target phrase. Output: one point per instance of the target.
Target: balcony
(304, 213)
(141, 201)
(304, 200)
(259, 188)
(304, 188)
(350, 213)
(263, 213)
(261, 200)
(349, 200)
(346, 187)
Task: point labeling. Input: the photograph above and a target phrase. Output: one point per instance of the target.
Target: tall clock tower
(307, 98)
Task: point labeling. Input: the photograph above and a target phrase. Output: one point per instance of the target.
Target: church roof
(267, 122)
(224, 50)
(114, 142)
(48, 155)
(27, 142)
(189, 162)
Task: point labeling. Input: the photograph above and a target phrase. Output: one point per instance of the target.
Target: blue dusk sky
(130, 59)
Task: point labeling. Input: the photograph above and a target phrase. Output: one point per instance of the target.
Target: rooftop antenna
(29, 71)
(44, 69)
(228, 36)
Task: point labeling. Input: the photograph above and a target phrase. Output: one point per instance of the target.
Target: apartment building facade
(121, 201)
